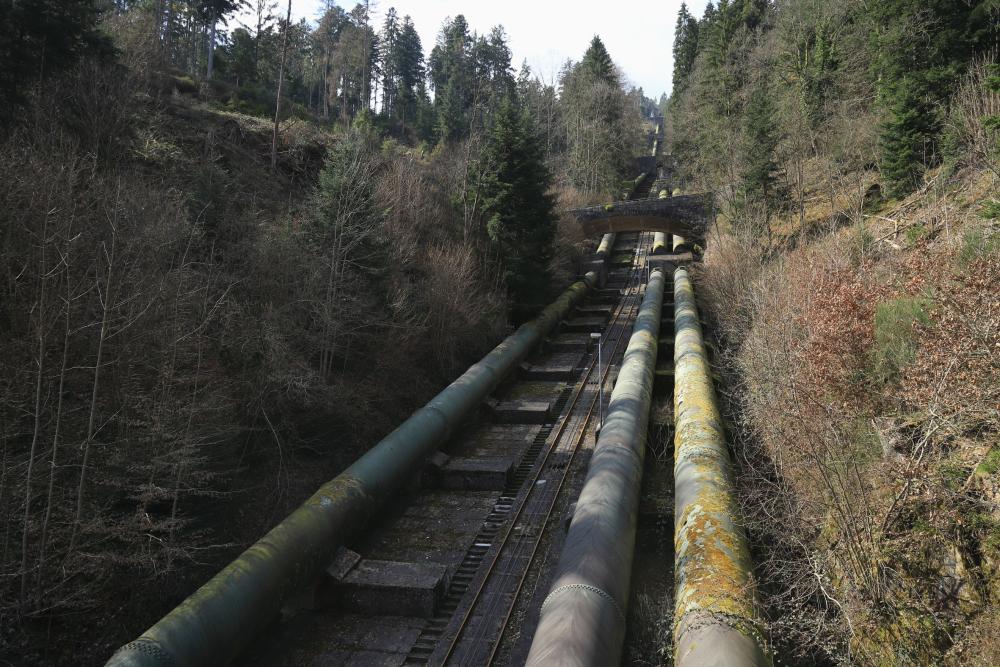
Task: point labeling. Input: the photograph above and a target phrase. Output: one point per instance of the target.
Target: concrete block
(394, 588)
(521, 412)
(570, 342)
(322, 593)
(595, 309)
(584, 324)
(437, 461)
(476, 473)
(343, 562)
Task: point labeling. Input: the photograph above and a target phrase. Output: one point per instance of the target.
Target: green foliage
(991, 463)
(685, 48)
(520, 211)
(597, 64)
(601, 124)
(916, 76)
(895, 344)
(760, 136)
(346, 216)
(917, 233)
(863, 244)
(979, 242)
(953, 475)
(470, 75)
(907, 135)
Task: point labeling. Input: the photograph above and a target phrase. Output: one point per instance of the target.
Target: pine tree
(760, 141)
(388, 59)
(409, 67)
(211, 13)
(520, 211)
(907, 134)
(451, 77)
(917, 76)
(597, 64)
(685, 47)
(753, 13)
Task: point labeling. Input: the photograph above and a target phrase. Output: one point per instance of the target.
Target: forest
(853, 290)
(235, 253)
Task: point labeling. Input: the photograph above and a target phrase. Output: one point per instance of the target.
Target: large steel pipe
(583, 618)
(659, 243)
(607, 243)
(222, 616)
(715, 618)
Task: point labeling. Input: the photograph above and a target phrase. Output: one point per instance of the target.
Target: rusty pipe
(716, 623)
(582, 620)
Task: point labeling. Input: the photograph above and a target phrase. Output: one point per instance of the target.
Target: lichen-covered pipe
(607, 243)
(715, 617)
(221, 617)
(582, 620)
(659, 243)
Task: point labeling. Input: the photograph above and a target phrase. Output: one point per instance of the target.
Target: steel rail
(628, 301)
(539, 467)
(548, 516)
(582, 621)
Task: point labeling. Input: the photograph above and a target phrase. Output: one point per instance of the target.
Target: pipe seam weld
(148, 648)
(587, 587)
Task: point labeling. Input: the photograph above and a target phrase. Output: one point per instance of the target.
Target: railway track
(484, 591)
(484, 541)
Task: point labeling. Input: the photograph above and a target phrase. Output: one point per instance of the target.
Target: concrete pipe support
(582, 620)
(223, 616)
(715, 616)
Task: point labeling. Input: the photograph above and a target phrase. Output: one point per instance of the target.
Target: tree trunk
(326, 84)
(91, 420)
(33, 451)
(43, 538)
(211, 49)
(281, 77)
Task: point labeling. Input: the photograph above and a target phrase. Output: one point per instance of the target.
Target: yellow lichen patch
(712, 563)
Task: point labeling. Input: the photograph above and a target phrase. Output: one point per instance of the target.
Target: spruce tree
(760, 142)
(409, 67)
(916, 76)
(597, 64)
(520, 211)
(685, 47)
(388, 58)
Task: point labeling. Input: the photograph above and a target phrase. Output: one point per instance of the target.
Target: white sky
(547, 32)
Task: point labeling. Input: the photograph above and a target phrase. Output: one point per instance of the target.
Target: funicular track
(486, 587)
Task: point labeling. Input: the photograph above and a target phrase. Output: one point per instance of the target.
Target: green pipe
(582, 620)
(219, 619)
(715, 618)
